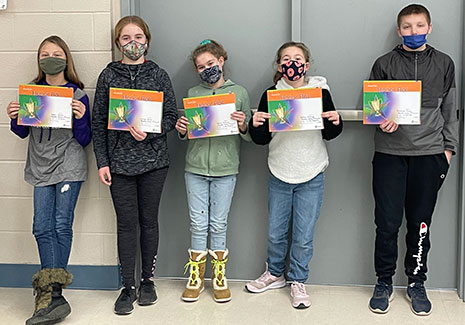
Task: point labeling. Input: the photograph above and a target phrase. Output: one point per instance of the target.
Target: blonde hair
(278, 75)
(136, 20)
(210, 46)
(70, 71)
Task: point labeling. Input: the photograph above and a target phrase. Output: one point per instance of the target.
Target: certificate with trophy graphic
(210, 116)
(142, 109)
(295, 109)
(391, 100)
(45, 106)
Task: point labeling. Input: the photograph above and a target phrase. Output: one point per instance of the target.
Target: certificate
(45, 106)
(210, 116)
(295, 109)
(391, 100)
(142, 109)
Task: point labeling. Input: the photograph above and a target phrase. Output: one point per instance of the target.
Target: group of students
(409, 167)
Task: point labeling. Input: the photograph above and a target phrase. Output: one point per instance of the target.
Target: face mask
(414, 41)
(211, 75)
(292, 70)
(134, 50)
(52, 66)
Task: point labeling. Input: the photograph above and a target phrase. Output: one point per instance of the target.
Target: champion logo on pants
(418, 256)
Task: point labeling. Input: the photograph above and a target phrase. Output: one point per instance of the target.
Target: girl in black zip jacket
(134, 164)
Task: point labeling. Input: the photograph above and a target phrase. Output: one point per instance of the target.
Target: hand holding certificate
(45, 106)
(141, 109)
(391, 100)
(295, 109)
(210, 116)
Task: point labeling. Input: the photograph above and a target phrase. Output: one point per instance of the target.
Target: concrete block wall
(86, 26)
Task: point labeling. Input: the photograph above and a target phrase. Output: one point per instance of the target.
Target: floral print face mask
(134, 50)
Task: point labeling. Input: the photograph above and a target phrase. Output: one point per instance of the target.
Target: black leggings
(136, 200)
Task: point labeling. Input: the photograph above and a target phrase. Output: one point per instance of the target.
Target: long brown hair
(70, 71)
(278, 75)
(136, 20)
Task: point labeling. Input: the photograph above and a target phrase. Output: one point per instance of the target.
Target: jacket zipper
(416, 66)
(209, 142)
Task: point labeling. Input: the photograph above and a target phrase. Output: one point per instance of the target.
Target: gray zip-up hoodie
(439, 126)
(118, 149)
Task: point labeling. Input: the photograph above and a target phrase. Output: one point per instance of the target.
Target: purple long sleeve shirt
(81, 127)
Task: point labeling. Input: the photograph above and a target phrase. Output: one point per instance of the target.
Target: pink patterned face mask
(292, 70)
(134, 50)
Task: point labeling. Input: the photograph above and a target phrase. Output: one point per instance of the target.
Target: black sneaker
(124, 303)
(416, 293)
(382, 296)
(147, 293)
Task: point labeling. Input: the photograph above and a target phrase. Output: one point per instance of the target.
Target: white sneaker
(300, 298)
(265, 282)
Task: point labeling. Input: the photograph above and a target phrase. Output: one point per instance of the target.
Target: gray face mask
(52, 66)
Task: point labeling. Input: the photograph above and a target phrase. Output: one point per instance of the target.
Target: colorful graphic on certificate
(391, 100)
(210, 116)
(45, 106)
(295, 109)
(142, 109)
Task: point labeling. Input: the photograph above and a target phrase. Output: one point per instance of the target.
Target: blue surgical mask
(414, 41)
(211, 75)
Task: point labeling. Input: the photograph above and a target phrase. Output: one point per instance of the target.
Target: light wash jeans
(209, 200)
(300, 203)
(53, 222)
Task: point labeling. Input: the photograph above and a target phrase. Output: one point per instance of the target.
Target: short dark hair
(414, 9)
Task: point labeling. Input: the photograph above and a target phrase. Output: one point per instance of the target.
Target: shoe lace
(147, 286)
(220, 269)
(194, 270)
(263, 278)
(300, 288)
(380, 288)
(418, 290)
(125, 294)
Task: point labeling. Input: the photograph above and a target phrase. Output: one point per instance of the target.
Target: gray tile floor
(330, 305)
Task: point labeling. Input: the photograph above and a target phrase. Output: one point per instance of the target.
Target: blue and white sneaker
(421, 305)
(382, 296)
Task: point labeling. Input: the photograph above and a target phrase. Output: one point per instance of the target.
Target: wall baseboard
(97, 277)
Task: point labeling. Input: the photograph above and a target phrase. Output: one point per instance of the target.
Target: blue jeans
(209, 200)
(301, 203)
(53, 222)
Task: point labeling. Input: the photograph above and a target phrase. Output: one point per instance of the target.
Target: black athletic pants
(136, 200)
(410, 183)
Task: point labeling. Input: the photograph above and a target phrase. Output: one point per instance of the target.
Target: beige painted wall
(86, 26)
